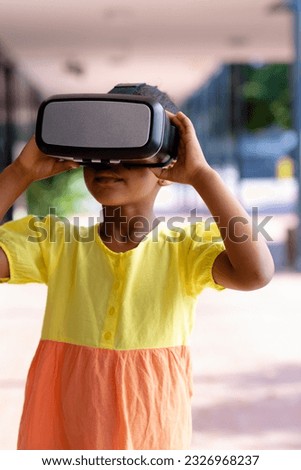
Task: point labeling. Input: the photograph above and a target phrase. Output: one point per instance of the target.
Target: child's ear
(162, 182)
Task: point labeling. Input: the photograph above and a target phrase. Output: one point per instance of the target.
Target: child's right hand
(35, 165)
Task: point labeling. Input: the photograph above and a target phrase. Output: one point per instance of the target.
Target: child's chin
(109, 201)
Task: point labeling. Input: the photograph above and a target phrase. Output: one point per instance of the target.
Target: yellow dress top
(141, 298)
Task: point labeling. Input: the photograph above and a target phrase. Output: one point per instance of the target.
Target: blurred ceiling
(72, 46)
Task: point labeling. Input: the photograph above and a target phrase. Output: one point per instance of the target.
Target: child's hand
(34, 165)
(191, 163)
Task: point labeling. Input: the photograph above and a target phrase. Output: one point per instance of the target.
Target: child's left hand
(191, 162)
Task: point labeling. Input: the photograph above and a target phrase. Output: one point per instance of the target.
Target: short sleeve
(22, 241)
(203, 245)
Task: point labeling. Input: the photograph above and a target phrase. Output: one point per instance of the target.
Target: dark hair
(148, 90)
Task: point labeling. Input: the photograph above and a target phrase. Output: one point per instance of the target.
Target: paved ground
(247, 364)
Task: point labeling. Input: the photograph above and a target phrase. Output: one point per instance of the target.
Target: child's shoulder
(178, 229)
(49, 228)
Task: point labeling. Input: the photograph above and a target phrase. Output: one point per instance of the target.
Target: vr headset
(100, 129)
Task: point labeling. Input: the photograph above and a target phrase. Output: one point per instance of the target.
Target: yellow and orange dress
(112, 369)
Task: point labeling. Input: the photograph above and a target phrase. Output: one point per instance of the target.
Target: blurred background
(234, 68)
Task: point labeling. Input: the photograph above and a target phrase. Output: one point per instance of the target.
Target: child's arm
(246, 264)
(31, 165)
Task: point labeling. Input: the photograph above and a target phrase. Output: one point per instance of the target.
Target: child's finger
(179, 119)
(65, 165)
(170, 114)
(185, 125)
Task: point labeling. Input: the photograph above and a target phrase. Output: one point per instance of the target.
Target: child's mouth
(107, 179)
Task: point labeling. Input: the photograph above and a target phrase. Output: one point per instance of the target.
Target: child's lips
(107, 178)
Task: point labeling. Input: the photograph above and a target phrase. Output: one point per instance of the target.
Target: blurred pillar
(7, 124)
(9, 129)
(295, 6)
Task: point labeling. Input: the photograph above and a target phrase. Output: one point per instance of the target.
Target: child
(112, 369)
